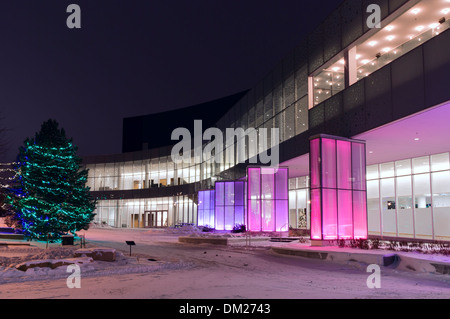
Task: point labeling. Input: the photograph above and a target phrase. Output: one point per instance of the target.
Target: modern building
(388, 87)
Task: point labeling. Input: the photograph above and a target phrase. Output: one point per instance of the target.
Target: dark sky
(135, 57)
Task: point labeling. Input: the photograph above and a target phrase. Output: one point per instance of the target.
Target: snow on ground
(201, 271)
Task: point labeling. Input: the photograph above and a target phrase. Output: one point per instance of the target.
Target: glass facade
(410, 198)
(338, 206)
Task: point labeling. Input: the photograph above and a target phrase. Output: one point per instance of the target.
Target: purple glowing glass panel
(329, 214)
(229, 218)
(358, 166)
(282, 215)
(239, 193)
(220, 217)
(220, 193)
(344, 165)
(345, 214)
(328, 163)
(229, 193)
(200, 209)
(239, 215)
(206, 208)
(315, 163)
(316, 214)
(359, 215)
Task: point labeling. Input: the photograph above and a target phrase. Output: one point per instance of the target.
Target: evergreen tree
(50, 197)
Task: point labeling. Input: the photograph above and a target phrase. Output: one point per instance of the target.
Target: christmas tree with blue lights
(50, 197)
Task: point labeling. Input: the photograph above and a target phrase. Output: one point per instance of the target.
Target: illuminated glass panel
(338, 203)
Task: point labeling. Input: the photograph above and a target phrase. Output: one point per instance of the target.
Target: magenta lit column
(338, 191)
(268, 208)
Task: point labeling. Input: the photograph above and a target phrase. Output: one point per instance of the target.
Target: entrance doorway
(157, 218)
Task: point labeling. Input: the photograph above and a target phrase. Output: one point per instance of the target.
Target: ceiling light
(342, 61)
(420, 28)
(390, 38)
(389, 28)
(335, 69)
(365, 61)
(417, 139)
(433, 25)
(445, 11)
(415, 11)
(372, 43)
(386, 50)
(357, 56)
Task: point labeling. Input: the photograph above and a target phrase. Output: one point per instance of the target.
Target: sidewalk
(408, 261)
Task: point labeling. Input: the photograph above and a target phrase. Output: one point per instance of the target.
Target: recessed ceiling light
(365, 61)
(420, 28)
(335, 69)
(386, 50)
(446, 10)
(417, 139)
(372, 43)
(342, 61)
(390, 38)
(357, 56)
(433, 25)
(415, 11)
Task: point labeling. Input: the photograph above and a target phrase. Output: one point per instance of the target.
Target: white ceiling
(424, 133)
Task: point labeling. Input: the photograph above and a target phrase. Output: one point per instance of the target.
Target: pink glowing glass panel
(344, 165)
(282, 215)
(315, 163)
(345, 214)
(254, 194)
(359, 166)
(328, 163)
(267, 184)
(359, 214)
(329, 214)
(316, 214)
(267, 216)
(281, 183)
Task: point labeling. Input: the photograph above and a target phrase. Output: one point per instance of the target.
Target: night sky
(135, 57)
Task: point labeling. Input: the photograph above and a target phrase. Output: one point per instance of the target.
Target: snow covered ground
(161, 267)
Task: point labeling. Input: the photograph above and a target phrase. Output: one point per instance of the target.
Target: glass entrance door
(157, 218)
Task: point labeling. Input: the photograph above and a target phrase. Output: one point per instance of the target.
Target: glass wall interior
(410, 198)
(267, 196)
(329, 82)
(299, 203)
(146, 212)
(230, 204)
(407, 30)
(425, 20)
(206, 208)
(338, 195)
(142, 174)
